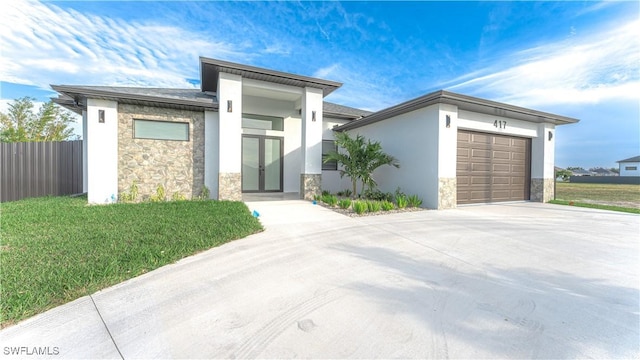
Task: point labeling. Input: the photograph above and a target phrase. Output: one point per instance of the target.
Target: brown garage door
(492, 168)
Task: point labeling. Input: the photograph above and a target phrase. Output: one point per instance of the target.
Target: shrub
(387, 205)
(178, 196)
(374, 206)
(360, 207)
(344, 203)
(132, 195)
(330, 200)
(414, 201)
(205, 193)
(399, 193)
(325, 192)
(160, 194)
(345, 193)
(377, 195)
(401, 201)
(317, 197)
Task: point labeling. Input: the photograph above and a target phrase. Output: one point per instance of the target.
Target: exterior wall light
(550, 135)
(313, 116)
(101, 116)
(229, 106)
(448, 121)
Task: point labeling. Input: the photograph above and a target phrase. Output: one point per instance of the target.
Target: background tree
(564, 174)
(22, 124)
(359, 159)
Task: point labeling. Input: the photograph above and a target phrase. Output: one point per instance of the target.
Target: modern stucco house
(254, 130)
(630, 166)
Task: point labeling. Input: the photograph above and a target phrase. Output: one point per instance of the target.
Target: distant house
(602, 172)
(630, 166)
(581, 172)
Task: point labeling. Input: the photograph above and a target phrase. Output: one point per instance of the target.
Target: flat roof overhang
(211, 68)
(74, 99)
(463, 102)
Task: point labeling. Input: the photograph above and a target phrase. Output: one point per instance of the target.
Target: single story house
(581, 172)
(602, 172)
(630, 166)
(256, 130)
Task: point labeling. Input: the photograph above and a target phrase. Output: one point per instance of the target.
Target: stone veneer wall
(176, 165)
(230, 186)
(541, 190)
(310, 185)
(447, 193)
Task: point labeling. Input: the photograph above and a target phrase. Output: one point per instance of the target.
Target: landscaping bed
(369, 203)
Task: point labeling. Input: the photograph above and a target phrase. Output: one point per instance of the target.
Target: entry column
(230, 137)
(311, 172)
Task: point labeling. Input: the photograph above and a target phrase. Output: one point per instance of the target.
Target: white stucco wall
(85, 156)
(413, 139)
(211, 152)
(625, 172)
(311, 145)
(230, 123)
(542, 152)
(102, 152)
(331, 179)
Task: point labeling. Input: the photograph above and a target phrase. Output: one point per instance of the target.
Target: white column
(102, 151)
(230, 136)
(447, 155)
(543, 163)
(311, 149)
(85, 156)
(211, 152)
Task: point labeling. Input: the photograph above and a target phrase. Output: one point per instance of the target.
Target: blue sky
(578, 59)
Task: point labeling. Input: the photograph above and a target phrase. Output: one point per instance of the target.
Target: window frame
(262, 118)
(631, 168)
(332, 165)
(188, 135)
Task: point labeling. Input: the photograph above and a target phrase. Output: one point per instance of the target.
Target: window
(262, 122)
(631, 168)
(160, 130)
(328, 146)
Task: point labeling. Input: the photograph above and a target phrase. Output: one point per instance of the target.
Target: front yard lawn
(57, 249)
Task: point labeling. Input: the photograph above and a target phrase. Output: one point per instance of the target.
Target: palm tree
(359, 159)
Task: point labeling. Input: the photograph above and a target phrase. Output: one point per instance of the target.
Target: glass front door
(261, 163)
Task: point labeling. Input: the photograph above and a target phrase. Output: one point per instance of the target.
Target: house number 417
(500, 124)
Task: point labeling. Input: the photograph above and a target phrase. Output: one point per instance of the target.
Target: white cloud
(44, 44)
(580, 69)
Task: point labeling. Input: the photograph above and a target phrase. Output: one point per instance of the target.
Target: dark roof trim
(210, 69)
(76, 99)
(631, 159)
(463, 102)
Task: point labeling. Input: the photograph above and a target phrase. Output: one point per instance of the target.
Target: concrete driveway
(519, 280)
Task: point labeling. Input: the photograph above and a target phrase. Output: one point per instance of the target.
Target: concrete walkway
(520, 280)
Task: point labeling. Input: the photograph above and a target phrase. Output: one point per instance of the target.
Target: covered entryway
(492, 168)
(262, 163)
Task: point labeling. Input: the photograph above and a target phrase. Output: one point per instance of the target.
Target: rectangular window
(631, 168)
(160, 130)
(328, 146)
(262, 122)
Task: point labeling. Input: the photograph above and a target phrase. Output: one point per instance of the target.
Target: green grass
(596, 206)
(611, 193)
(57, 249)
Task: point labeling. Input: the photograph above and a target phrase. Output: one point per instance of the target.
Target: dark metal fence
(40, 169)
(605, 179)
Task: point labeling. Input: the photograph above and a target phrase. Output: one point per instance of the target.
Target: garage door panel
(492, 167)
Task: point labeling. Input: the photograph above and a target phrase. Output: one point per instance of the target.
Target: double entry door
(261, 163)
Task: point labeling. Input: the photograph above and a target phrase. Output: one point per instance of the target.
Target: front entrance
(261, 163)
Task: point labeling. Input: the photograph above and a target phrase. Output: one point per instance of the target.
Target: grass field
(604, 194)
(58, 249)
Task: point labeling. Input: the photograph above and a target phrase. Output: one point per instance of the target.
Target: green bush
(387, 205)
(374, 206)
(401, 201)
(160, 194)
(360, 207)
(330, 200)
(325, 192)
(205, 193)
(414, 201)
(132, 195)
(377, 195)
(345, 193)
(178, 196)
(344, 203)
